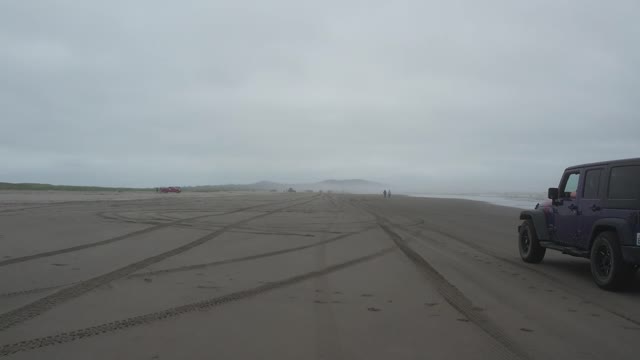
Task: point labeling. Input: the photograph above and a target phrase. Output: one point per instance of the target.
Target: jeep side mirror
(553, 194)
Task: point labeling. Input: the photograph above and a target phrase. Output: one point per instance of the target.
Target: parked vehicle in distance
(594, 214)
(170, 189)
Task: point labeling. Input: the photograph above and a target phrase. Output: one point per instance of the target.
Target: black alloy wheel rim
(603, 261)
(525, 241)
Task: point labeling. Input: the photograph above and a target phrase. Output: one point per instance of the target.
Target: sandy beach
(291, 276)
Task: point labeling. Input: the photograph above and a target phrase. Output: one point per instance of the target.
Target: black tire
(529, 245)
(608, 268)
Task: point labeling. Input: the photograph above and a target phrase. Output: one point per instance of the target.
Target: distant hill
(351, 186)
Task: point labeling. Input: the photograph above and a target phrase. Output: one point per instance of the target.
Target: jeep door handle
(595, 208)
(574, 207)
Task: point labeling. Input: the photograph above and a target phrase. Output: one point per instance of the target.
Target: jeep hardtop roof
(611, 162)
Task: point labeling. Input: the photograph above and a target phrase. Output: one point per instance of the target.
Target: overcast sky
(429, 95)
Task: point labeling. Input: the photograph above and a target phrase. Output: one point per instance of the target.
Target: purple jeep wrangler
(595, 214)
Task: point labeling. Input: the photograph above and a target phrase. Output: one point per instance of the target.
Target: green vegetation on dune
(32, 186)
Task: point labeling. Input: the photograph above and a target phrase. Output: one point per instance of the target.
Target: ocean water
(515, 200)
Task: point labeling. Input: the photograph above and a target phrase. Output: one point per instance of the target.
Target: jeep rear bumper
(631, 254)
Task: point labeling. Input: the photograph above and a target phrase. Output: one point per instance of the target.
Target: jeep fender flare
(539, 222)
(620, 226)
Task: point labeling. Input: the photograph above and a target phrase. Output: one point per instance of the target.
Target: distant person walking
(384, 193)
(389, 193)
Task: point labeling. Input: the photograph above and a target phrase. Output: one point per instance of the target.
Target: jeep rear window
(624, 183)
(592, 184)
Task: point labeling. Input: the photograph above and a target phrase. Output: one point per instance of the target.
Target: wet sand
(291, 276)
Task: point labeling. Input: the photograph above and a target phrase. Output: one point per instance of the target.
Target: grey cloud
(429, 95)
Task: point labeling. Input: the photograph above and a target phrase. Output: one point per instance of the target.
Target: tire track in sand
(32, 291)
(566, 286)
(509, 349)
(126, 323)
(245, 258)
(29, 311)
(122, 237)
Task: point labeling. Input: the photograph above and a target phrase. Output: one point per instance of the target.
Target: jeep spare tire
(609, 270)
(529, 245)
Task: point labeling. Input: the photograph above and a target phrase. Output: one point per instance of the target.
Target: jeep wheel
(609, 270)
(530, 249)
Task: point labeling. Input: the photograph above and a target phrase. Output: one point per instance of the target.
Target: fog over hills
(357, 186)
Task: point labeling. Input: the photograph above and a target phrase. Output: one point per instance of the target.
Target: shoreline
(498, 200)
